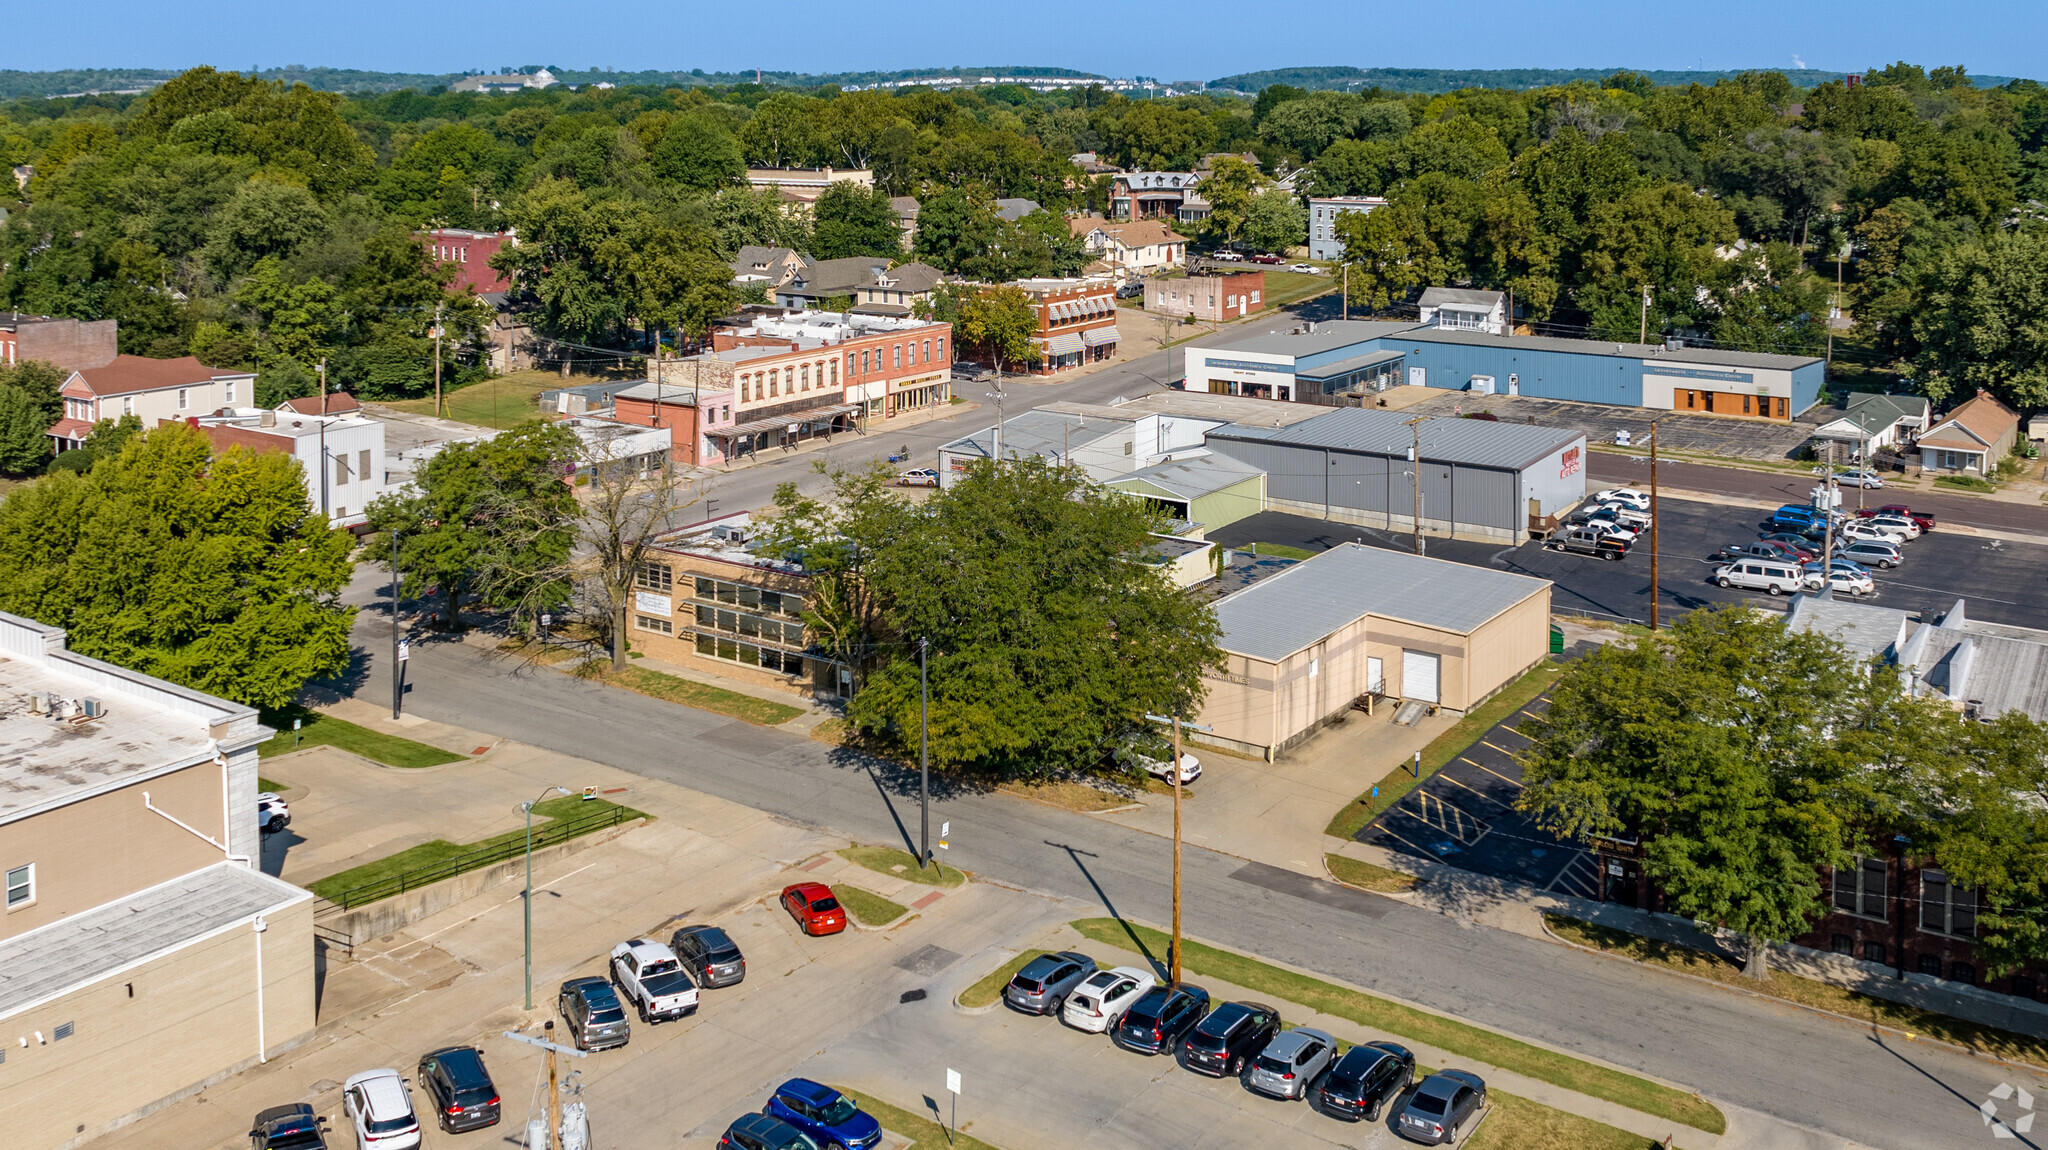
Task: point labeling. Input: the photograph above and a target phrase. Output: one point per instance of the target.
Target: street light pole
(397, 668)
(924, 761)
(527, 899)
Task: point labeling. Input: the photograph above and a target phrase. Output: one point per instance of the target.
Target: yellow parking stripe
(1476, 791)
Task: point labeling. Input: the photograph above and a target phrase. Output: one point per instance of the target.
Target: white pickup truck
(652, 978)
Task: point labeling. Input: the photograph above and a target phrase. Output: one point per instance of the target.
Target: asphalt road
(2003, 582)
(1607, 467)
(1797, 1067)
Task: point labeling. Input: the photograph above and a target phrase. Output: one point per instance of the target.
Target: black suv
(459, 1088)
(760, 1132)
(293, 1127)
(1229, 1037)
(1156, 1023)
(711, 955)
(1365, 1079)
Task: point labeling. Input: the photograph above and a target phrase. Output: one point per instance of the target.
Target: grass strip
(271, 785)
(1280, 551)
(325, 730)
(1353, 872)
(1964, 483)
(1448, 1034)
(924, 1134)
(501, 401)
(1356, 815)
(990, 988)
(902, 864)
(702, 696)
(867, 907)
(550, 828)
(1520, 1124)
(1073, 796)
(1805, 991)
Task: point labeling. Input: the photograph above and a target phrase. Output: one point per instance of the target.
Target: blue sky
(1204, 39)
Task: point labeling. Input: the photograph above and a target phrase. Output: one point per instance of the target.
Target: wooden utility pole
(1173, 964)
(323, 448)
(554, 1091)
(1415, 457)
(1645, 336)
(1656, 587)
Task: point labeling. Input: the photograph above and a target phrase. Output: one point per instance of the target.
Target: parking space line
(1502, 750)
(1384, 829)
(1533, 715)
(1496, 774)
(1482, 794)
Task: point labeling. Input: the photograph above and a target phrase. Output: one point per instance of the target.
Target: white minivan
(1762, 575)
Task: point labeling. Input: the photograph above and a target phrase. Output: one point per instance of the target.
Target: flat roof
(150, 727)
(1243, 410)
(1305, 603)
(1050, 433)
(1193, 478)
(1474, 442)
(83, 948)
(1865, 628)
(1646, 351)
(1329, 335)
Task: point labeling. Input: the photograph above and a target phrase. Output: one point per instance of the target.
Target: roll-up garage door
(1419, 672)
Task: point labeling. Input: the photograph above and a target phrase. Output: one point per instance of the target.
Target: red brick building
(1076, 322)
(471, 254)
(67, 343)
(1214, 297)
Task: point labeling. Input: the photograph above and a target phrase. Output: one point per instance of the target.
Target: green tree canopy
(207, 571)
(850, 220)
(29, 406)
(1979, 321)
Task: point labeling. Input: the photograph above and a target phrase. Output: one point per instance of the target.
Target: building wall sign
(1700, 373)
(1571, 463)
(651, 603)
(1247, 365)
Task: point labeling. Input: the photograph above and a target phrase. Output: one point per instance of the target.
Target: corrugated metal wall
(1380, 485)
(1543, 374)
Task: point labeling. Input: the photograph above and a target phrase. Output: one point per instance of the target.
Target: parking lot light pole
(1173, 769)
(1656, 586)
(527, 898)
(924, 761)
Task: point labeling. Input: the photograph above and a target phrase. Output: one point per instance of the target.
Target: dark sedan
(1441, 1107)
(1157, 1022)
(1366, 1079)
(711, 955)
(1041, 986)
(1229, 1037)
(459, 1088)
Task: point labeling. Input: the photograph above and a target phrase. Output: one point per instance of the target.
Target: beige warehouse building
(142, 952)
(1301, 646)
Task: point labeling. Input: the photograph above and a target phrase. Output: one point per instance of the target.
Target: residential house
(801, 187)
(67, 343)
(507, 82)
(1150, 195)
(610, 443)
(1464, 309)
(817, 282)
(1012, 210)
(471, 254)
(143, 952)
(1871, 422)
(1093, 165)
(711, 595)
(1323, 213)
(892, 291)
(1214, 297)
(763, 265)
(906, 209)
(1132, 248)
(1975, 436)
(153, 390)
(1076, 322)
(340, 455)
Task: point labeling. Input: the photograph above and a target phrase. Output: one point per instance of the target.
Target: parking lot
(1465, 815)
(2004, 582)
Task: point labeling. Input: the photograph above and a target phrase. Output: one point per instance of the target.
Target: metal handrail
(555, 831)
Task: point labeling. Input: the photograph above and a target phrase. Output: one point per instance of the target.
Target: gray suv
(1042, 986)
(596, 1017)
(711, 955)
(1290, 1062)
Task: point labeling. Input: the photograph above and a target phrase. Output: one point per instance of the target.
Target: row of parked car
(1607, 526)
(379, 1106)
(1793, 555)
(1245, 1040)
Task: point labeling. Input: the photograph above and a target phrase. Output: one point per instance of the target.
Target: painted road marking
(1482, 794)
(1502, 750)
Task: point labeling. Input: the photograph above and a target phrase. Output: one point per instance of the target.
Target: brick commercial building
(143, 955)
(1076, 322)
(695, 411)
(1214, 297)
(706, 595)
(152, 390)
(67, 343)
(340, 455)
(470, 253)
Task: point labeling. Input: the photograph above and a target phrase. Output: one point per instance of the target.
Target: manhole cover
(927, 960)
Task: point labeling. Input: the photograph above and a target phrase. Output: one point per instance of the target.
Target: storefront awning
(808, 415)
(1065, 343)
(1347, 366)
(1098, 336)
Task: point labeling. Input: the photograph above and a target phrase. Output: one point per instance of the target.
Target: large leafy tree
(492, 517)
(1746, 757)
(1049, 635)
(208, 571)
(850, 220)
(1979, 321)
(1984, 821)
(29, 404)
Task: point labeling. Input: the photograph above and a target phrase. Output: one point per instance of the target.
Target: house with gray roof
(1302, 645)
(1872, 422)
(763, 265)
(1465, 309)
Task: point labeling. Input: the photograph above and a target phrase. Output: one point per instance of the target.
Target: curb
(1859, 1023)
(1403, 894)
(1004, 954)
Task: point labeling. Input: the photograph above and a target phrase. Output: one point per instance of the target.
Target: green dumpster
(1556, 639)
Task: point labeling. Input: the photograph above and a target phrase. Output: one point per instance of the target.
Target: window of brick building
(1962, 972)
(1930, 964)
(1946, 908)
(2023, 987)
(654, 577)
(1873, 952)
(1860, 888)
(1842, 944)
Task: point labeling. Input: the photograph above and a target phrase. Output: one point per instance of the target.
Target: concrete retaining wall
(380, 918)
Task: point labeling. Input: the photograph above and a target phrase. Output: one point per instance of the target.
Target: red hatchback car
(812, 906)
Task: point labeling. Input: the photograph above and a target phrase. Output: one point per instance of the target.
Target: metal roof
(1645, 351)
(1044, 433)
(51, 960)
(1192, 478)
(1304, 604)
(1864, 628)
(1328, 336)
(1474, 442)
(1439, 296)
(1346, 366)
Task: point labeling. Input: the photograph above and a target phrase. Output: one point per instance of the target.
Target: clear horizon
(1988, 37)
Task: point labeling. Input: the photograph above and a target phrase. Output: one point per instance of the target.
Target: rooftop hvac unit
(93, 707)
(39, 702)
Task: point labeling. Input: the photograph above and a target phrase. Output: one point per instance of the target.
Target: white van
(1762, 575)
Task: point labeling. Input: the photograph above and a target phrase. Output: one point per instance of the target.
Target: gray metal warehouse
(1481, 479)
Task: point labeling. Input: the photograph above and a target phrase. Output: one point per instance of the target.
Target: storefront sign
(1571, 463)
(651, 603)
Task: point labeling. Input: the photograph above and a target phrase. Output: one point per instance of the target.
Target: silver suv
(1041, 987)
(1290, 1062)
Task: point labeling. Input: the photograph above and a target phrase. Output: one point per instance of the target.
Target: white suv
(380, 1107)
(1101, 999)
(1637, 499)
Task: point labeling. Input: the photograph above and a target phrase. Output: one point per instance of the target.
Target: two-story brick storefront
(1076, 322)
